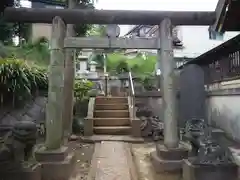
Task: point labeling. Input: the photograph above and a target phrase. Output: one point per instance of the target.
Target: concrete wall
(222, 109)
(154, 103)
(41, 30)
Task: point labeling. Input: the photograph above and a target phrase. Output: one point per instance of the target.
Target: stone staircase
(111, 116)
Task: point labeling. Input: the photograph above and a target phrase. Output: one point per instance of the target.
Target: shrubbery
(19, 81)
(81, 89)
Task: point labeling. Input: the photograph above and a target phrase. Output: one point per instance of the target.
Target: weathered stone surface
(171, 154)
(41, 101)
(34, 111)
(42, 155)
(17, 113)
(3, 112)
(112, 161)
(33, 173)
(161, 165)
(221, 172)
(26, 117)
(192, 94)
(9, 120)
(100, 138)
(60, 170)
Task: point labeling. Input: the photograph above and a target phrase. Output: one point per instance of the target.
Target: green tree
(6, 31)
(97, 30)
(82, 29)
(98, 58)
(122, 67)
(22, 30)
(9, 30)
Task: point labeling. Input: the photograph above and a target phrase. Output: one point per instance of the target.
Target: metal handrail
(132, 94)
(131, 84)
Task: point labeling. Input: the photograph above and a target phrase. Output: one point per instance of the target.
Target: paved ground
(114, 160)
(111, 161)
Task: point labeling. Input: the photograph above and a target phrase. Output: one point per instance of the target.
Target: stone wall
(31, 111)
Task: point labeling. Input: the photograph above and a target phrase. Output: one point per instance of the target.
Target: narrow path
(112, 161)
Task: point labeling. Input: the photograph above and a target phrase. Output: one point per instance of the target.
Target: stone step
(111, 121)
(111, 113)
(111, 100)
(119, 106)
(123, 138)
(112, 130)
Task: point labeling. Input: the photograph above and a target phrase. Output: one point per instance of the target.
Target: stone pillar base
(168, 160)
(26, 173)
(136, 127)
(56, 164)
(218, 172)
(88, 126)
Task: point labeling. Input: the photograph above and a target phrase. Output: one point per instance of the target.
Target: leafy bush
(138, 64)
(18, 81)
(122, 67)
(149, 83)
(3, 51)
(81, 89)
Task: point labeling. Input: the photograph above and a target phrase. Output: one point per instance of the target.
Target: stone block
(88, 126)
(26, 117)
(9, 120)
(179, 153)
(136, 127)
(30, 173)
(57, 164)
(61, 170)
(34, 111)
(41, 101)
(43, 155)
(207, 172)
(162, 165)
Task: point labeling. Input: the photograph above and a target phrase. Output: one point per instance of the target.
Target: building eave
(227, 16)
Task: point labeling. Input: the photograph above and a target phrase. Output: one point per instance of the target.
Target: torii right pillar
(168, 156)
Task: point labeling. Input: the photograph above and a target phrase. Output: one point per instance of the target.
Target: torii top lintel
(93, 16)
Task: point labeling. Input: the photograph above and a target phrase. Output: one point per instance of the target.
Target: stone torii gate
(60, 17)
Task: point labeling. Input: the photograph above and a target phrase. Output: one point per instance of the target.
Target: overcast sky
(175, 5)
(172, 5)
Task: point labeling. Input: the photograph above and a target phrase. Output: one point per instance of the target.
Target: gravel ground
(145, 169)
(84, 154)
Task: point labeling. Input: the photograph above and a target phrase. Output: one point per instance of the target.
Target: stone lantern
(92, 65)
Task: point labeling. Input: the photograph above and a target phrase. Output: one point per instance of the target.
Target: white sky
(171, 5)
(174, 5)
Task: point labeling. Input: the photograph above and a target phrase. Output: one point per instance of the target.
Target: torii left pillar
(56, 162)
(169, 155)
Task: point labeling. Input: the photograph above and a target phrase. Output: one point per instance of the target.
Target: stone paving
(112, 161)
